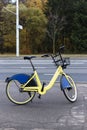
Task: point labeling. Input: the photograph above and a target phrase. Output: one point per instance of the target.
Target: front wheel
(69, 91)
(15, 95)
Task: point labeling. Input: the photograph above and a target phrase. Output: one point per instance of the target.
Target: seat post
(32, 65)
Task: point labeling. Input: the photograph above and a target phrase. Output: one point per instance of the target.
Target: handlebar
(61, 48)
(58, 61)
(64, 62)
(46, 55)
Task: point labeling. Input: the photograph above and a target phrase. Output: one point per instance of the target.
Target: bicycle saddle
(29, 57)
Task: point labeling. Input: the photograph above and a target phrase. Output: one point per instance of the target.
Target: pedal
(39, 96)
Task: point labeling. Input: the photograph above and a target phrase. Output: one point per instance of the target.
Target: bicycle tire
(15, 95)
(70, 93)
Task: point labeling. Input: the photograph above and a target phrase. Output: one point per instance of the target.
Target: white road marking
(44, 62)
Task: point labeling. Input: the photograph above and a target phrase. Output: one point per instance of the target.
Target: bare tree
(54, 27)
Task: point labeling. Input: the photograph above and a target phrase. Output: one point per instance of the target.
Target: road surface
(53, 111)
(45, 68)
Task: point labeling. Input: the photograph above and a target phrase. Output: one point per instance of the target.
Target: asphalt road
(53, 111)
(45, 68)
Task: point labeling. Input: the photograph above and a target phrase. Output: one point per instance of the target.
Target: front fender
(64, 83)
(22, 78)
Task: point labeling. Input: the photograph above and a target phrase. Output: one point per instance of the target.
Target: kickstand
(39, 96)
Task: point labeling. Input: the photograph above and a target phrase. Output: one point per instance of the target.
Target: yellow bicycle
(21, 88)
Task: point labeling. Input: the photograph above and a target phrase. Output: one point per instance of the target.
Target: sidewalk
(39, 55)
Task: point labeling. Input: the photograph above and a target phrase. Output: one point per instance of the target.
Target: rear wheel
(71, 91)
(15, 95)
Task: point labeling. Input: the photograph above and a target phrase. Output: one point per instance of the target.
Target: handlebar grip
(46, 55)
(26, 58)
(61, 48)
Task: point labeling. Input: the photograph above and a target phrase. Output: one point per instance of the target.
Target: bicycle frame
(38, 88)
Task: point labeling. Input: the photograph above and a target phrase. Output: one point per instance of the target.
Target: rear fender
(22, 78)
